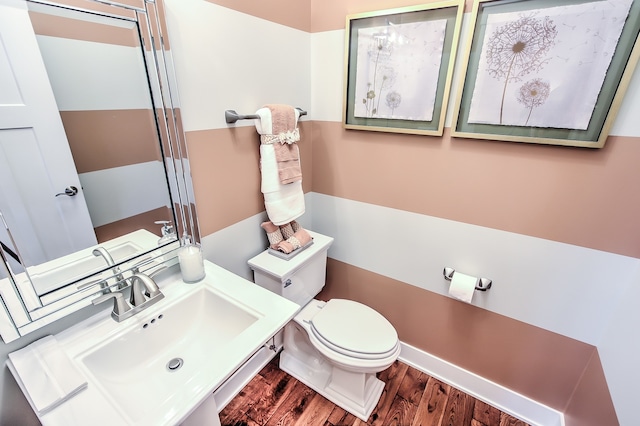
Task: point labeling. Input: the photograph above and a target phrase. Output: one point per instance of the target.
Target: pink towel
(283, 118)
(288, 158)
(297, 240)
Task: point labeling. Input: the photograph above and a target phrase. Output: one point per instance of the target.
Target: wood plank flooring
(410, 398)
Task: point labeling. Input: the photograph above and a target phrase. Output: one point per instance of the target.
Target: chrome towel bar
(230, 116)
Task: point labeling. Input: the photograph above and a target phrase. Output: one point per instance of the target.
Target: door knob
(69, 191)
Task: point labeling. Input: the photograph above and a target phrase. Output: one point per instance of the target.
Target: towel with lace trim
(284, 136)
(280, 170)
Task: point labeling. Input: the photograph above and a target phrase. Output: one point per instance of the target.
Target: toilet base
(358, 393)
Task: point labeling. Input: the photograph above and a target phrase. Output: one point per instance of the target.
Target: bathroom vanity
(176, 360)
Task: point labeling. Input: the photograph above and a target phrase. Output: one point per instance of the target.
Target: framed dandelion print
(399, 66)
(547, 71)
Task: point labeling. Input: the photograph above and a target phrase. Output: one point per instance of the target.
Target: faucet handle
(141, 285)
(120, 306)
(104, 285)
(152, 289)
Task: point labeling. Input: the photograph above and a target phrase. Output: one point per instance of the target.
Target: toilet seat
(354, 330)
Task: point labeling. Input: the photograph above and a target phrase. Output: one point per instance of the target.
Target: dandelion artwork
(397, 70)
(533, 94)
(546, 67)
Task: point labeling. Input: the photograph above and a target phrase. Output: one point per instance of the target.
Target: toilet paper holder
(483, 284)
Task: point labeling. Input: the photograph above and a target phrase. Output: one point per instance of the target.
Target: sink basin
(76, 269)
(163, 355)
(56, 273)
(164, 363)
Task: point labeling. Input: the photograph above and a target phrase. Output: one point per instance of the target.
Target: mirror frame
(22, 310)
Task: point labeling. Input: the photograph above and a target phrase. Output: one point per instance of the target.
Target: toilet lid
(354, 328)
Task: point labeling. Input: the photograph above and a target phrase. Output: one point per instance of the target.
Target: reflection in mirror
(98, 75)
(97, 72)
(109, 169)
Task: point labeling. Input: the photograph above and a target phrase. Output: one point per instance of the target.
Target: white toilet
(335, 347)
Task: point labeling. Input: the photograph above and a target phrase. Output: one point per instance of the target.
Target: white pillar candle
(191, 263)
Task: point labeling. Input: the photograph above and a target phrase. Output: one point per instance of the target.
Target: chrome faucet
(121, 310)
(101, 251)
(142, 285)
(144, 293)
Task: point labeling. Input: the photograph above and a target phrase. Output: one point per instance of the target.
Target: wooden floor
(410, 398)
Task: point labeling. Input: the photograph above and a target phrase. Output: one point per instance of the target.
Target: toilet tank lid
(282, 268)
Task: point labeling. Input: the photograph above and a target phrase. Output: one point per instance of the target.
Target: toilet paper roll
(463, 287)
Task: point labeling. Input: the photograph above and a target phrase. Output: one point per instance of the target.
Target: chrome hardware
(175, 364)
(287, 283)
(101, 251)
(104, 285)
(166, 229)
(155, 270)
(483, 284)
(140, 299)
(141, 286)
(230, 116)
(69, 191)
(120, 307)
(122, 282)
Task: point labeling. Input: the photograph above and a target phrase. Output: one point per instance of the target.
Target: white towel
(283, 203)
(47, 374)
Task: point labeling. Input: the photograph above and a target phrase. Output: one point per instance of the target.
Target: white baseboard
(504, 399)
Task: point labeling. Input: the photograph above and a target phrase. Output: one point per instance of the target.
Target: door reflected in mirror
(110, 149)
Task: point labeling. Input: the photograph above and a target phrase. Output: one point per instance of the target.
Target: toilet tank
(298, 279)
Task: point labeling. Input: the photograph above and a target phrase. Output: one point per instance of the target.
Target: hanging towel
(283, 202)
(46, 373)
(288, 160)
(284, 135)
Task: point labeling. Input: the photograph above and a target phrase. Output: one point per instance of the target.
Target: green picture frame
(447, 14)
(609, 96)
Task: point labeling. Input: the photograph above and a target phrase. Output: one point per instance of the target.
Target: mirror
(123, 165)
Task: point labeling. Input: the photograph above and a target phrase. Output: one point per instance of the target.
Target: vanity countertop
(100, 334)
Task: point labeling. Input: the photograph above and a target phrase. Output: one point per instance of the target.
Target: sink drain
(175, 364)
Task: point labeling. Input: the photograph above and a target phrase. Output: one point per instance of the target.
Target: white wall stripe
(327, 70)
(247, 239)
(627, 123)
(619, 353)
(121, 192)
(559, 287)
(271, 63)
(86, 75)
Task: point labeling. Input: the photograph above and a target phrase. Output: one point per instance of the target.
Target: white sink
(213, 326)
(134, 367)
